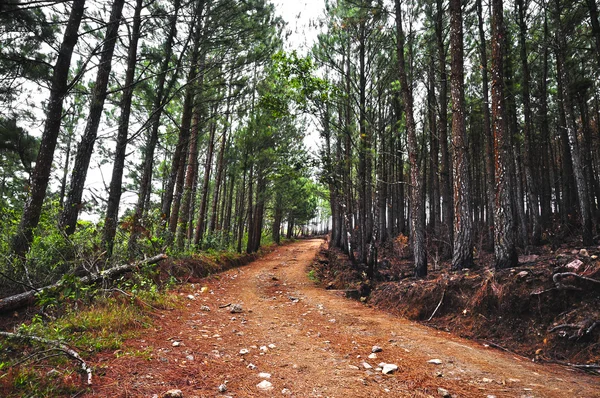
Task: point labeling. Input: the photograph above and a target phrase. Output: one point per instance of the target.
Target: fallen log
(26, 298)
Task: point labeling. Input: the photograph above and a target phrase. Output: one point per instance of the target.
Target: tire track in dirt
(321, 341)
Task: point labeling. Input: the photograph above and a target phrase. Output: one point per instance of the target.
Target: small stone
(265, 386)
(222, 388)
(443, 392)
(251, 366)
(176, 344)
(173, 394)
(435, 361)
(490, 396)
(522, 274)
(244, 351)
(389, 368)
(272, 346)
(584, 253)
(236, 308)
(205, 308)
(575, 265)
(372, 356)
(353, 367)
(264, 348)
(286, 391)
(264, 375)
(191, 297)
(366, 365)
(189, 357)
(486, 380)
(594, 257)
(376, 348)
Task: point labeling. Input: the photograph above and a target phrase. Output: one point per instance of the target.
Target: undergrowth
(89, 321)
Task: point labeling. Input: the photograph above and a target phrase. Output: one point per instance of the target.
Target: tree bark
(534, 209)
(41, 173)
(417, 222)
(68, 219)
(489, 139)
(504, 224)
(445, 172)
(116, 182)
(463, 225)
(201, 222)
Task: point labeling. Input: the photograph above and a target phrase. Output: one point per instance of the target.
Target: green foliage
(292, 82)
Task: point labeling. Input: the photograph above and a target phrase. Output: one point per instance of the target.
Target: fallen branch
(557, 279)
(438, 306)
(583, 328)
(23, 299)
(56, 344)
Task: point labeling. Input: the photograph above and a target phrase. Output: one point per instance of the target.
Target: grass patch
(34, 370)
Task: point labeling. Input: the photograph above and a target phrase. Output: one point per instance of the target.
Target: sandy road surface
(321, 341)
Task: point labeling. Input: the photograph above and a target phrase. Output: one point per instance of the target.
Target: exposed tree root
(55, 344)
(557, 279)
(584, 328)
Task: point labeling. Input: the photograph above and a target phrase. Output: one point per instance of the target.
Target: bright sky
(298, 14)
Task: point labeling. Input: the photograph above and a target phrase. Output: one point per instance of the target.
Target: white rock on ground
(264, 386)
(264, 375)
(376, 348)
(435, 361)
(389, 368)
(244, 351)
(372, 356)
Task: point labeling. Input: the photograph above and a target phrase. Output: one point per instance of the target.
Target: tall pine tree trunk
(534, 209)
(152, 139)
(445, 173)
(489, 139)
(116, 182)
(463, 225)
(504, 224)
(201, 222)
(564, 78)
(417, 229)
(68, 219)
(41, 173)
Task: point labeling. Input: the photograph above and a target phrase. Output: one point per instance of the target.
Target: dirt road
(320, 342)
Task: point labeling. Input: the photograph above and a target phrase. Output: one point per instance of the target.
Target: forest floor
(310, 342)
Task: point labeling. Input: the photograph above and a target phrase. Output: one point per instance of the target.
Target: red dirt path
(321, 342)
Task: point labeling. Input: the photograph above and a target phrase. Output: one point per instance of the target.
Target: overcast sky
(298, 14)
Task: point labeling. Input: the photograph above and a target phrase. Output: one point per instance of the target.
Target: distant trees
(524, 159)
(182, 103)
(456, 127)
